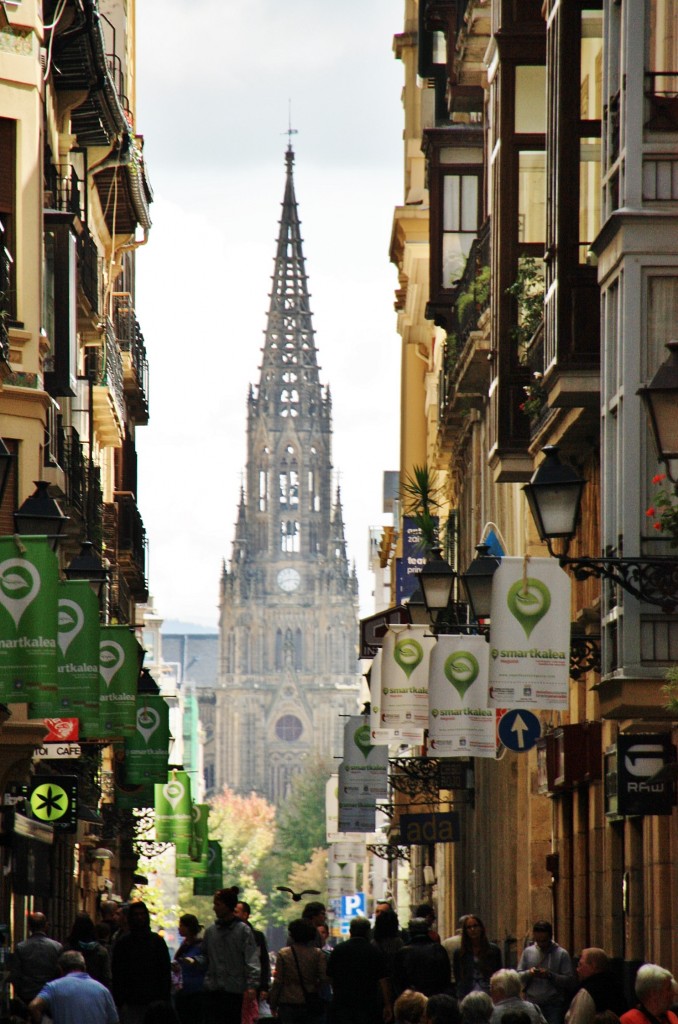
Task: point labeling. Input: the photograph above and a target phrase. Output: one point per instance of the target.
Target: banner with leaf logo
(460, 721)
(173, 809)
(75, 690)
(214, 879)
(147, 750)
(191, 860)
(379, 734)
(404, 677)
(530, 636)
(365, 763)
(119, 667)
(29, 576)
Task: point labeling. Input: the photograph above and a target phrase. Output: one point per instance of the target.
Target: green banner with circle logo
(214, 879)
(173, 809)
(147, 750)
(29, 576)
(191, 860)
(119, 667)
(74, 691)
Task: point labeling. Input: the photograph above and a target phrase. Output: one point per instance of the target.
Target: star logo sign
(49, 802)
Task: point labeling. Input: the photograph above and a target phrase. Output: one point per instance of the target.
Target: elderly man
(505, 990)
(654, 989)
(546, 973)
(599, 990)
(75, 997)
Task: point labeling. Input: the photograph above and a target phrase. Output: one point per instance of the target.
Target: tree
(301, 833)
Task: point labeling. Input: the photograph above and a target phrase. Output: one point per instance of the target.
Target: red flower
(650, 512)
(658, 526)
(658, 478)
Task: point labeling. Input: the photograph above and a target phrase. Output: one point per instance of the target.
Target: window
(290, 536)
(460, 223)
(531, 196)
(288, 728)
(263, 490)
(8, 212)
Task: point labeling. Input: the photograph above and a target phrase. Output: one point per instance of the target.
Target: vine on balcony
(528, 291)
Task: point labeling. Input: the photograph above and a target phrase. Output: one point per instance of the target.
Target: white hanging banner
(530, 635)
(460, 720)
(350, 853)
(378, 734)
(341, 880)
(404, 677)
(365, 763)
(332, 819)
(357, 810)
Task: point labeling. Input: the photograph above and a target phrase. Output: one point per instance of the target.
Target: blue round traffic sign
(519, 730)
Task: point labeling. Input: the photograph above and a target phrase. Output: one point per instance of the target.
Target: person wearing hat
(188, 969)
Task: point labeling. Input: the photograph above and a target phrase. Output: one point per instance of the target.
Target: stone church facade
(288, 627)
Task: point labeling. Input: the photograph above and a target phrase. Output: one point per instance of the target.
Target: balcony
(125, 542)
(134, 360)
(104, 368)
(88, 269)
(661, 95)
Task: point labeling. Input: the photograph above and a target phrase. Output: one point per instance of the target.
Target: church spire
(289, 370)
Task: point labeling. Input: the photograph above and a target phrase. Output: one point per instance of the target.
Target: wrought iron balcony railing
(131, 341)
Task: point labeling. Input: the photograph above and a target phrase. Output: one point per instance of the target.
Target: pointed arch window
(289, 402)
(290, 536)
(278, 649)
(263, 490)
(298, 650)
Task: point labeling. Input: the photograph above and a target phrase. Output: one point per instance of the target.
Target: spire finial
(290, 131)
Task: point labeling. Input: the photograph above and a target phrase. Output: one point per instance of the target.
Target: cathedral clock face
(289, 580)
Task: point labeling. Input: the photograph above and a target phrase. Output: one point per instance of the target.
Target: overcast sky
(214, 84)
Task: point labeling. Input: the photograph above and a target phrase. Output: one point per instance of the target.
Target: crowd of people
(119, 971)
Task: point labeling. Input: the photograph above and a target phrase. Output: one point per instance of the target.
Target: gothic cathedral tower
(288, 600)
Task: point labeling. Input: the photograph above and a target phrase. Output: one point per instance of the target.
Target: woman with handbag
(299, 973)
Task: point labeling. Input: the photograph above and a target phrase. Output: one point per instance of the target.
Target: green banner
(29, 575)
(214, 879)
(76, 685)
(118, 677)
(147, 751)
(173, 810)
(192, 862)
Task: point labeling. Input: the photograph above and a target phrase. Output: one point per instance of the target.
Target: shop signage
(640, 757)
(53, 800)
(373, 629)
(423, 829)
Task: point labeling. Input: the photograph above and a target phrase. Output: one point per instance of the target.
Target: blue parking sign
(353, 906)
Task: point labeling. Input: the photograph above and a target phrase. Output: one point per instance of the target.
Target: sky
(214, 94)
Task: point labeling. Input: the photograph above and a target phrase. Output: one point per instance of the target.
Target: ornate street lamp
(40, 515)
(477, 582)
(660, 398)
(416, 608)
(88, 566)
(436, 580)
(554, 497)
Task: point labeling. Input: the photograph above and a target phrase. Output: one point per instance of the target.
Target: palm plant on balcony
(420, 494)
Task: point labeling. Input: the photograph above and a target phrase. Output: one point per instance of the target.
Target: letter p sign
(353, 906)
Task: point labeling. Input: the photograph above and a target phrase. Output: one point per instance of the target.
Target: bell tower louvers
(288, 599)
